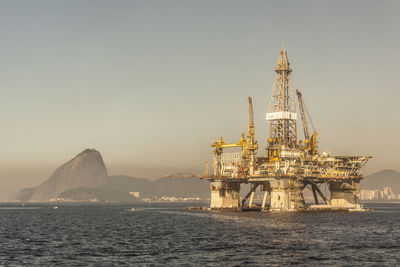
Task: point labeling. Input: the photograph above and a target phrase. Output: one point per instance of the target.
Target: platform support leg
(264, 200)
(251, 199)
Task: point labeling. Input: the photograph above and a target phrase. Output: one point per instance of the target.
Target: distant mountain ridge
(87, 169)
(85, 178)
(117, 188)
(381, 179)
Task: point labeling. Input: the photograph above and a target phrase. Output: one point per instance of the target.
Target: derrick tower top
(282, 114)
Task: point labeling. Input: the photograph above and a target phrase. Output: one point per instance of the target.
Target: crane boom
(248, 145)
(251, 123)
(311, 140)
(303, 115)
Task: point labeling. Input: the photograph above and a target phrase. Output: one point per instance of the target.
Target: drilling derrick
(282, 114)
(290, 167)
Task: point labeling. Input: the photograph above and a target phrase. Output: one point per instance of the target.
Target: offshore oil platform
(290, 165)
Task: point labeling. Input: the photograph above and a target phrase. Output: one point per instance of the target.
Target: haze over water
(168, 234)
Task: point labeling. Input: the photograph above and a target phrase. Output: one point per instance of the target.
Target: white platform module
(281, 115)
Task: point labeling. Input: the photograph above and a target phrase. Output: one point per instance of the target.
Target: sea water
(169, 234)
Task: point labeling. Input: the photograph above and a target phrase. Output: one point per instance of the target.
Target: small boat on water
(55, 207)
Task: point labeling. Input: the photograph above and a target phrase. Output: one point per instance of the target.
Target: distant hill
(83, 194)
(87, 169)
(84, 178)
(381, 179)
(24, 194)
(182, 187)
(178, 187)
(124, 183)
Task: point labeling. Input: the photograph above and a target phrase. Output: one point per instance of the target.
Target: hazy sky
(151, 84)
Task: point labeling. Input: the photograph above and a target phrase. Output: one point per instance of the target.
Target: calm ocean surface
(168, 234)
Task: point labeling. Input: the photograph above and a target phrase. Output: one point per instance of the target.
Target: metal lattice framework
(282, 107)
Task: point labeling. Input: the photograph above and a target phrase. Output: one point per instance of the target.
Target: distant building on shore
(385, 194)
(135, 194)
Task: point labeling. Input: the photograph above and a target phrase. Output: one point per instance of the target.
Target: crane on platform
(310, 141)
(248, 146)
(252, 143)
